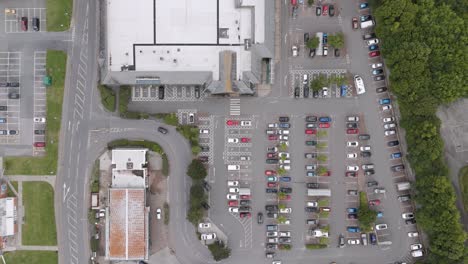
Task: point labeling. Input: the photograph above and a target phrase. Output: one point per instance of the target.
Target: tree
(321, 145)
(281, 219)
(366, 216)
(281, 171)
(322, 133)
(322, 158)
(196, 150)
(337, 40)
(282, 195)
(219, 251)
(321, 169)
(313, 43)
(281, 206)
(196, 170)
(318, 83)
(283, 146)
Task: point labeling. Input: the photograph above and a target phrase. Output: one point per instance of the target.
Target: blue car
(352, 210)
(363, 5)
(2, 120)
(325, 119)
(384, 101)
(377, 71)
(373, 47)
(373, 238)
(379, 214)
(353, 229)
(396, 155)
(284, 125)
(285, 179)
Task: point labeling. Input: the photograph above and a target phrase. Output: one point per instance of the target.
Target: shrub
(315, 246)
(196, 170)
(219, 251)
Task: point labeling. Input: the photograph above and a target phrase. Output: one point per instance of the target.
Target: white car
(352, 155)
(287, 222)
(204, 131)
(389, 125)
(233, 183)
(285, 142)
(352, 168)
(233, 190)
(273, 125)
(379, 190)
(282, 137)
(353, 144)
(285, 234)
(388, 119)
(295, 51)
(285, 210)
(272, 234)
(386, 107)
(284, 132)
(366, 148)
(233, 140)
(381, 226)
(285, 167)
(372, 42)
(324, 91)
(246, 123)
(407, 215)
(377, 65)
(417, 253)
(276, 262)
(233, 209)
(232, 196)
(319, 233)
(243, 158)
(413, 234)
(416, 246)
(272, 240)
(390, 132)
(284, 154)
(158, 213)
(353, 118)
(208, 236)
(286, 161)
(204, 225)
(39, 120)
(312, 204)
(354, 241)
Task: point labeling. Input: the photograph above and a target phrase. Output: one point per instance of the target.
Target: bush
(197, 197)
(107, 97)
(189, 132)
(196, 170)
(171, 119)
(366, 216)
(322, 133)
(322, 158)
(125, 94)
(315, 246)
(318, 83)
(313, 43)
(336, 41)
(284, 246)
(166, 213)
(219, 251)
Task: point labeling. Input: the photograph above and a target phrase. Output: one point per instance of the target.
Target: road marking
(65, 192)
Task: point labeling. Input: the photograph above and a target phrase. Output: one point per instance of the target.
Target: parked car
(312, 53)
(331, 10)
(311, 119)
(24, 23)
(352, 131)
(384, 101)
(379, 78)
(318, 11)
(368, 36)
(386, 107)
(374, 202)
(372, 183)
(381, 226)
(351, 125)
(352, 192)
(390, 132)
(324, 125)
(352, 144)
(377, 71)
(354, 23)
(374, 54)
(353, 229)
(324, 119)
(324, 10)
(393, 143)
(373, 238)
(407, 215)
(388, 119)
(363, 5)
(365, 18)
(366, 154)
(374, 47)
(364, 137)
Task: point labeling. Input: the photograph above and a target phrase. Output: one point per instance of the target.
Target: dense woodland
(424, 43)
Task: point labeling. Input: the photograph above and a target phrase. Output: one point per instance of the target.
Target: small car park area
(25, 20)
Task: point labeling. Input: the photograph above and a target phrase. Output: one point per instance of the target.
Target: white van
(325, 51)
(305, 79)
(367, 24)
(233, 167)
(359, 83)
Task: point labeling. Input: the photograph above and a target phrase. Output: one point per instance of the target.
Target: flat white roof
(123, 158)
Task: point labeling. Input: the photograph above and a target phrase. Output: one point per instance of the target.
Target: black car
(310, 209)
(315, 94)
(351, 125)
(244, 202)
(13, 96)
(207, 186)
(260, 218)
(411, 221)
(369, 172)
(312, 53)
(373, 238)
(271, 190)
(13, 84)
(3, 107)
(272, 215)
(393, 143)
(283, 119)
(205, 148)
(162, 130)
(377, 71)
(372, 183)
(365, 18)
(161, 92)
(337, 52)
(404, 198)
(396, 168)
(271, 207)
(364, 137)
(306, 38)
(352, 216)
(297, 92)
(306, 91)
(366, 154)
(311, 119)
(197, 92)
(368, 36)
(284, 240)
(379, 78)
(351, 174)
(36, 23)
(272, 161)
(341, 241)
(381, 89)
(312, 185)
(331, 10)
(286, 190)
(318, 11)
(205, 205)
(3, 84)
(245, 209)
(39, 132)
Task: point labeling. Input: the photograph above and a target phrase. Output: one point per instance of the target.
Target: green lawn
(39, 224)
(107, 97)
(10, 193)
(31, 257)
(59, 13)
(56, 67)
(463, 174)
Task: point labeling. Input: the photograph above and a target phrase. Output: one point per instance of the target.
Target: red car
(327, 173)
(350, 174)
(273, 137)
(325, 10)
(374, 202)
(232, 123)
(244, 215)
(233, 203)
(374, 53)
(286, 197)
(355, 23)
(272, 184)
(352, 131)
(245, 197)
(245, 140)
(311, 131)
(39, 144)
(270, 172)
(24, 23)
(324, 125)
(272, 155)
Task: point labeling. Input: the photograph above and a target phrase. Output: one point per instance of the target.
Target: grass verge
(107, 97)
(315, 246)
(39, 224)
(59, 13)
(56, 66)
(95, 177)
(166, 213)
(463, 178)
(323, 202)
(125, 94)
(10, 193)
(31, 257)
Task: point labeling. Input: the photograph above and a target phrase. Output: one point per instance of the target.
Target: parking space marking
(13, 21)
(234, 106)
(172, 93)
(40, 97)
(206, 123)
(11, 69)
